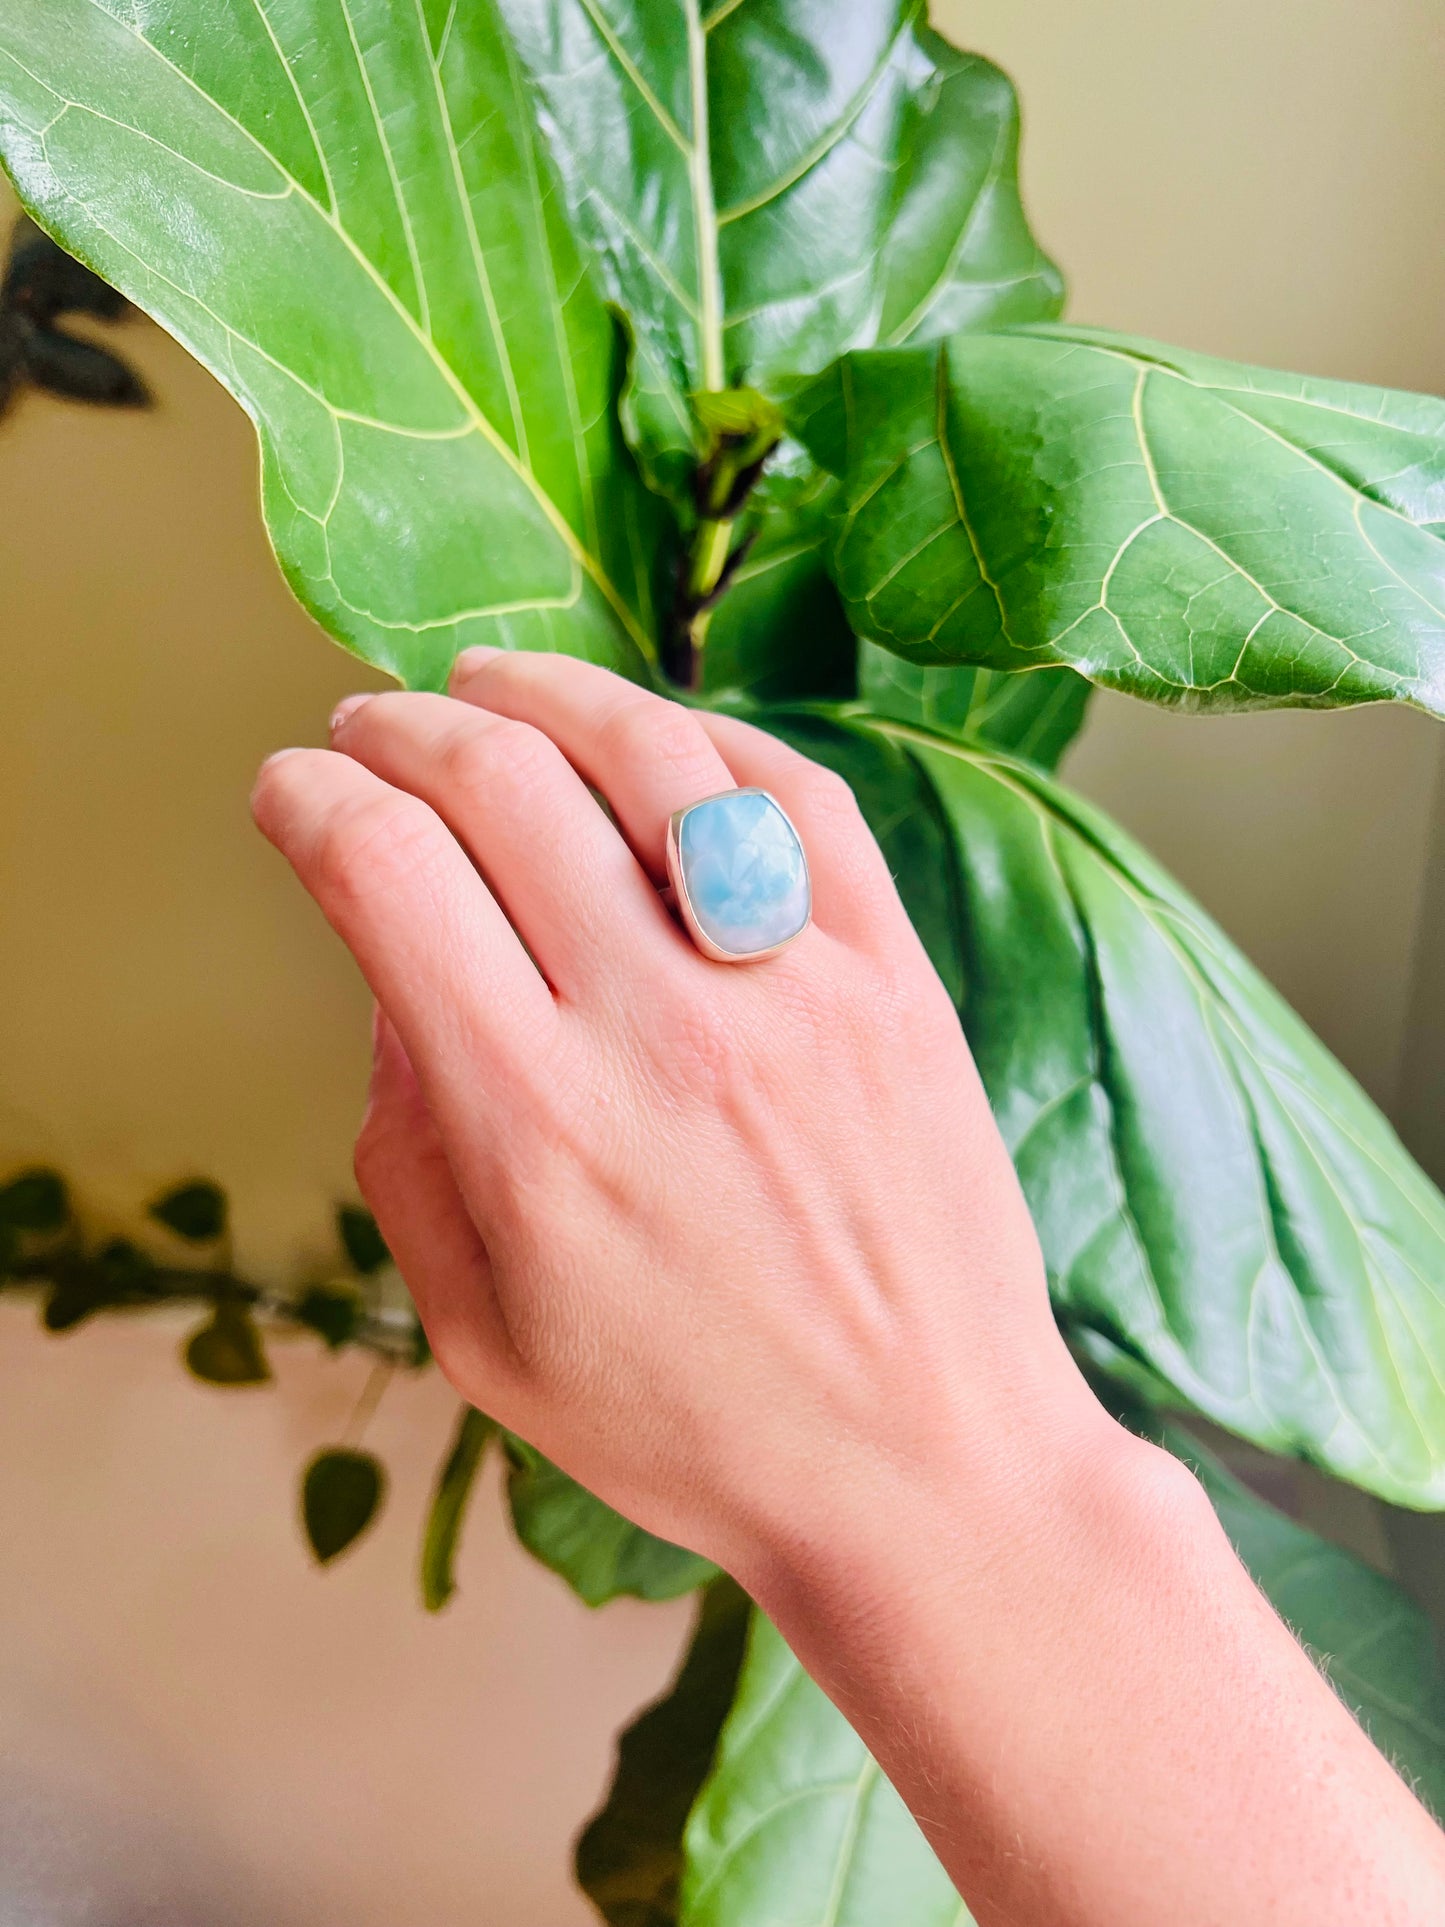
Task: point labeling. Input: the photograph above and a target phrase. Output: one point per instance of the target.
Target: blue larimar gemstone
(745, 873)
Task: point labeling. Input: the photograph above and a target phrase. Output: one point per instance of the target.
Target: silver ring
(739, 876)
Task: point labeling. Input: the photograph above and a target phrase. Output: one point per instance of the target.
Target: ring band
(739, 876)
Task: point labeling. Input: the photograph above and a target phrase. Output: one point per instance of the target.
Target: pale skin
(741, 1249)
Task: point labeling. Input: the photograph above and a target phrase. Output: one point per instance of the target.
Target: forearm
(1096, 1717)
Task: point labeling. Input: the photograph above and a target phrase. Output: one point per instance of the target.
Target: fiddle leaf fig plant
(711, 342)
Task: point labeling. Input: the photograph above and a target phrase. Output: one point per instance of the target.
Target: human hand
(738, 1246)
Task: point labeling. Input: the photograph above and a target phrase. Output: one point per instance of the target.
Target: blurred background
(196, 1726)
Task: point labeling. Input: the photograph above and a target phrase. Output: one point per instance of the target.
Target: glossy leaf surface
(763, 186)
(1189, 530)
(341, 207)
(768, 184)
(600, 1554)
(1212, 1191)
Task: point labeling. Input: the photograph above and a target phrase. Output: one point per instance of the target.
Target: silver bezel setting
(713, 951)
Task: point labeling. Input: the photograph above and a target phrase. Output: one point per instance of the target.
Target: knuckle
(502, 754)
(829, 796)
(648, 729)
(370, 848)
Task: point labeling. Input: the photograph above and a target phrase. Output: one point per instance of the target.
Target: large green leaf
(764, 186)
(342, 208)
(1213, 1192)
(1188, 530)
(345, 210)
(797, 1825)
(600, 1554)
(770, 183)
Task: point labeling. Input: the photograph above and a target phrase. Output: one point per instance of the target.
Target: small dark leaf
(196, 1211)
(449, 1506)
(72, 1299)
(42, 280)
(629, 1860)
(227, 1350)
(340, 1496)
(333, 1314)
(79, 371)
(35, 1201)
(360, 1239)
(118, 1274)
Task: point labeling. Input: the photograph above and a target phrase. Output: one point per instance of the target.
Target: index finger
(472, 1010)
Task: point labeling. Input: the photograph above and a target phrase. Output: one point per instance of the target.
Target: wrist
(997, 1528)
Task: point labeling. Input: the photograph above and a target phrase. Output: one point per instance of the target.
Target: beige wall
(219, 1733)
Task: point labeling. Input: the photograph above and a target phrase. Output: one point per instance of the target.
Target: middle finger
(646, 755)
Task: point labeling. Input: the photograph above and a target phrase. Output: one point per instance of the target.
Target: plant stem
(699, 577)
(377, 1380)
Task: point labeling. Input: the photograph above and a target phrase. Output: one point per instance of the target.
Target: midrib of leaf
(579, 554)
(403, 211)
(848, 1846)
(321, 160)
(826, 142)
(474, 244)
(695, 148)
(1211, 1006)
(709, 272)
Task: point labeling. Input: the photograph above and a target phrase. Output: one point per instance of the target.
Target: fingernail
(348, 706)
(279, 755)
(470, 660)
